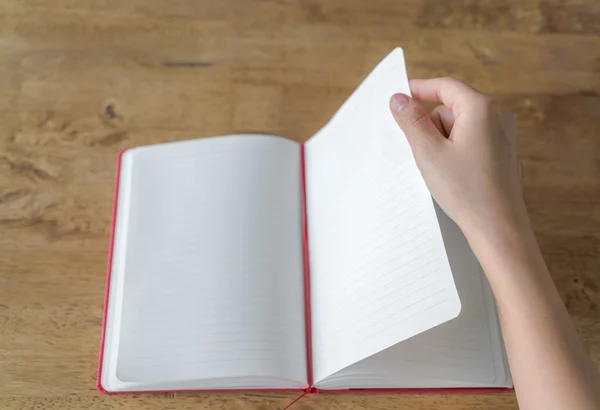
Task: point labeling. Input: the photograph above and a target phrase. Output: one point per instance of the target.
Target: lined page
(464, 352)
(213, 265)
(379, 271)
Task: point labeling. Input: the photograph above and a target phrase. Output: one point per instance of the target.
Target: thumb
(420, 131)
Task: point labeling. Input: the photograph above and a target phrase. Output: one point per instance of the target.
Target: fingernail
(398, 101)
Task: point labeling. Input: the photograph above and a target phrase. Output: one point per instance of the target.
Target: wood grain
(81, 80)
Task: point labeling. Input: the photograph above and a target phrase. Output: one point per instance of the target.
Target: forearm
(549, 364)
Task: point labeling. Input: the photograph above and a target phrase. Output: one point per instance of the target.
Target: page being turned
(379, 271)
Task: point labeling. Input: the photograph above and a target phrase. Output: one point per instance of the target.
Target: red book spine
(108, 272)
(306, 261)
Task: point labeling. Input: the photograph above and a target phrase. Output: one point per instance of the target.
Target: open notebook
(254, 262)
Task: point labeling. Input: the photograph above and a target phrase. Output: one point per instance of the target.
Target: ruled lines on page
(213, 272)
(463, 352)
(379, 271)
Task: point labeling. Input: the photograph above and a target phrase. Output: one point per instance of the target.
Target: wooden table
(81, 80)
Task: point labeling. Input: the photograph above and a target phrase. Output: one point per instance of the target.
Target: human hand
(466, 153)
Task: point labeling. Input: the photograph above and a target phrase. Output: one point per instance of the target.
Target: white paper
(464, 352)
(209, 262)
(379, 271)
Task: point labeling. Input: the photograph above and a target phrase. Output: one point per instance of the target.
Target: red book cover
(309, 389)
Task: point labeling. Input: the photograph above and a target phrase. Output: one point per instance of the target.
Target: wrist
(513, 264)
(504, 240)
(496, 224)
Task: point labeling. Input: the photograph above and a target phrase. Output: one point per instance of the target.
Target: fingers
(442, 118)
(420, 131)
(451, 92)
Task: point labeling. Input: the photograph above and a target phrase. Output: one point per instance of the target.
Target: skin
(465, 150)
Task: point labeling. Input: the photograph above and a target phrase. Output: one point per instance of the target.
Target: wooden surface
(81, 80)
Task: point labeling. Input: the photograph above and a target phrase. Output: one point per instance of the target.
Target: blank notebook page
(379, 271)
(213, 263)
(464, 352)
